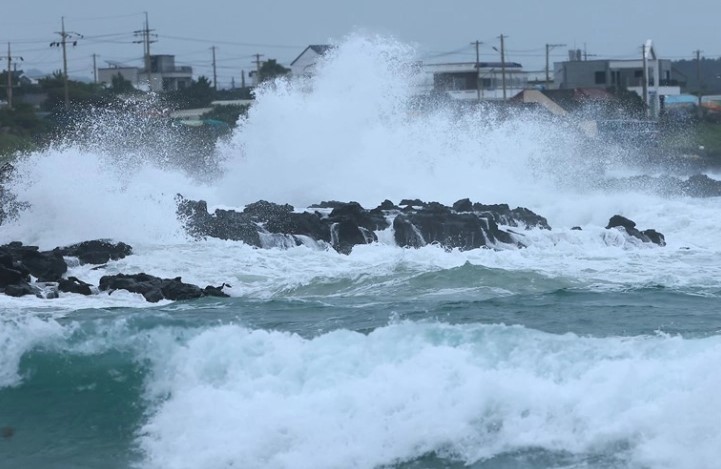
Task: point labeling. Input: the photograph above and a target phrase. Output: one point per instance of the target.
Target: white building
(164, 75)
(474, 81)
(304, 65)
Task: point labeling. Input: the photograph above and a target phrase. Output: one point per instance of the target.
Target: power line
(248, 44)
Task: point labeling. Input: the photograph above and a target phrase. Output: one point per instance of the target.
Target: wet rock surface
(25, 270)
(464, 225)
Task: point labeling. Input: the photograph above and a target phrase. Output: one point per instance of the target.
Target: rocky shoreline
(25, 270)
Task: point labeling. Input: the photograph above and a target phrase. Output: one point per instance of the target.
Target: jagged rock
(223, 224)
(327, 204)
(74, 285)
(9, 276)
(438, 224)
(700, 185)
(230, 224)
(413, 202)
(46, 266)
(263, 210)
(387, 205)
(210, 290)
(351, 225)
(503, 215)
(466, 225)
(629, 226)
(154, 288)
(19, 289)
(406, 234)
(463, 205)
(96, 251)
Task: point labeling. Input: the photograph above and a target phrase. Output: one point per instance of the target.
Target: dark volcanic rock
(74, 285)
(406, 234)
(96, 251)
(413, 202)
(46, 266)
(327, 204)
(19, 289)
(155, 289)
(387, 205)
(629, 226)
(463, 205)
(438, 224)
(351, 225)
(223, 224)
(503, 215)
(465, 225)
(700, 185)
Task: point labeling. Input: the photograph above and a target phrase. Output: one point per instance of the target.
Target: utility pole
(478, 71)
(10, 59)
(242, 79)
(698, 75)
(145, 34)
(65, 37)
(549, 48)
(95, 70)
(257, 67)
(503, 65)
(215, 75)
(645, 80)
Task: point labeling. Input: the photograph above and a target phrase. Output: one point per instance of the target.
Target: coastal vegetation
(39, 116)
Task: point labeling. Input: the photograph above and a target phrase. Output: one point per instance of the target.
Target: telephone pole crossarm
(65, 38)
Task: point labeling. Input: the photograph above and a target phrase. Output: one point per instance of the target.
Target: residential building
(163, 75)
(658, 81)
(304, 65)
(474, 81)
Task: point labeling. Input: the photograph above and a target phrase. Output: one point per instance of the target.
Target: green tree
(80, 94)
(271, 70)
(199, 94)
(119, 85)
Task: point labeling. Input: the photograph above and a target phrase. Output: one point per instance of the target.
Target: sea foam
(238, 397)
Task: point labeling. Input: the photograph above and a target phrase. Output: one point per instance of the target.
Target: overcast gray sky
(280, 29)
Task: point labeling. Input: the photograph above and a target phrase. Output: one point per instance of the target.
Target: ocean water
(587, 349)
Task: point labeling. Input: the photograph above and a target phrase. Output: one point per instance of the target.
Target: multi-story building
(474, 81)
(658, 81)
(163, 74)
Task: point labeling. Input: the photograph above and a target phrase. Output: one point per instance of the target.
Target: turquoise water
(85, 392)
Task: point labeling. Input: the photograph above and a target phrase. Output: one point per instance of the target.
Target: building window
(638, 74)
(455, 81)
(600, 78)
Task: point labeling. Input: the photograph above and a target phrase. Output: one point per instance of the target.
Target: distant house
(304, 65)
(473, 81)
(660, 78)
(163, 75)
